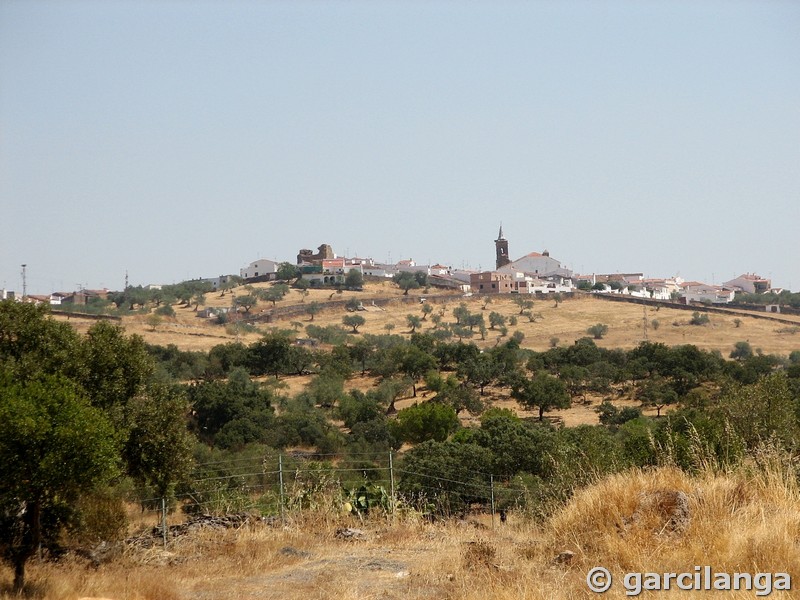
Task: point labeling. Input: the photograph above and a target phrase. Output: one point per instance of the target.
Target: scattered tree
(154, 320)
(414, 363)
(413, 322)
(354, 321)
(275, 293)
(287, 271)
(542, 391)
(742, 351)
(354, 280)
(523, 303)
(312, 309)
(496, 320)
(461, 314)
(406, 281)
(269, 355)
(246, 302)
(352, 305)
(199, 299)
(426, 310)
(598, 331)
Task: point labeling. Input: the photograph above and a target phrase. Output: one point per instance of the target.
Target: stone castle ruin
(324, 252)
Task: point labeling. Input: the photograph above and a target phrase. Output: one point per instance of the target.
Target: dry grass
(748, 521)
(567, 322)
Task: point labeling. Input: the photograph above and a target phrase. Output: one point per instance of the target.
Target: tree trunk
(541, 413)
(19, 575)
(31, 539)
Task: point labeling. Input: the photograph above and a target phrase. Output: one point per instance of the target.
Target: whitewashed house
(259, 268)
(749, 283)
(702, 292)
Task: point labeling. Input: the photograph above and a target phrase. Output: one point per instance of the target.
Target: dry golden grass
(567, 322)
(747, 521)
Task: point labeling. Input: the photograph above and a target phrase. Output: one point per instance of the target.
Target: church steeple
(501, 250)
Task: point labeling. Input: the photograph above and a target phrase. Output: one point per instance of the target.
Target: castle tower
(501, 250)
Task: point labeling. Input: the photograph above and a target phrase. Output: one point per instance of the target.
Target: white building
(216, 282)
(553, 284)
(536, 264)
(749, 283)
(259, 268)
(333, 272)
(701, 292)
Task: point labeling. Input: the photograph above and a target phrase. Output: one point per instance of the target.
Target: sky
(179, 139)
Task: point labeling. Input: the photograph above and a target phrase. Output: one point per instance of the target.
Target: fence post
(491, 485)
(391, 484)
(164, 521)
(280, 479)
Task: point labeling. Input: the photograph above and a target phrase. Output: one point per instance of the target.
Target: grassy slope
(739, 522)
(567, 322)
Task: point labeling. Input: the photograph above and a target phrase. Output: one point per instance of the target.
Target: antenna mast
(24, 282)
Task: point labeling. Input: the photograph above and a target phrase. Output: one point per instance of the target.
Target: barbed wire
(286, 472)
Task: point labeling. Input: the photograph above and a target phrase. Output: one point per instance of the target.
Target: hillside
(565, 323)
(744, 521)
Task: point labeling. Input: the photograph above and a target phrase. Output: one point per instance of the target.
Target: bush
(423, 422)
(699, 318)
(99, 516)
(446, 477)
(331, 334)
(611, 415)
(742, 351)
(165, 310)
(598, 331)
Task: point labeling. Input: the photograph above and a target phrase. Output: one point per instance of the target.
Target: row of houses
(79, 298)
(325, 268)
(541, 273)
(505, 280)
(677, 289)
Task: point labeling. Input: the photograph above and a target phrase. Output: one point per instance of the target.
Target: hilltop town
(533, 273)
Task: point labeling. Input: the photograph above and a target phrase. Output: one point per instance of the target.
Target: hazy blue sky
(185, 139)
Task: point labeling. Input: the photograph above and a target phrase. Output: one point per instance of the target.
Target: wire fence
(279, 485)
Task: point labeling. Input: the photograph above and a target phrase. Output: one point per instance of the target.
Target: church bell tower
(501, 250)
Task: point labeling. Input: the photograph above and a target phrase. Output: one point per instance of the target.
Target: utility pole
(644, 321)
(24, 282)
